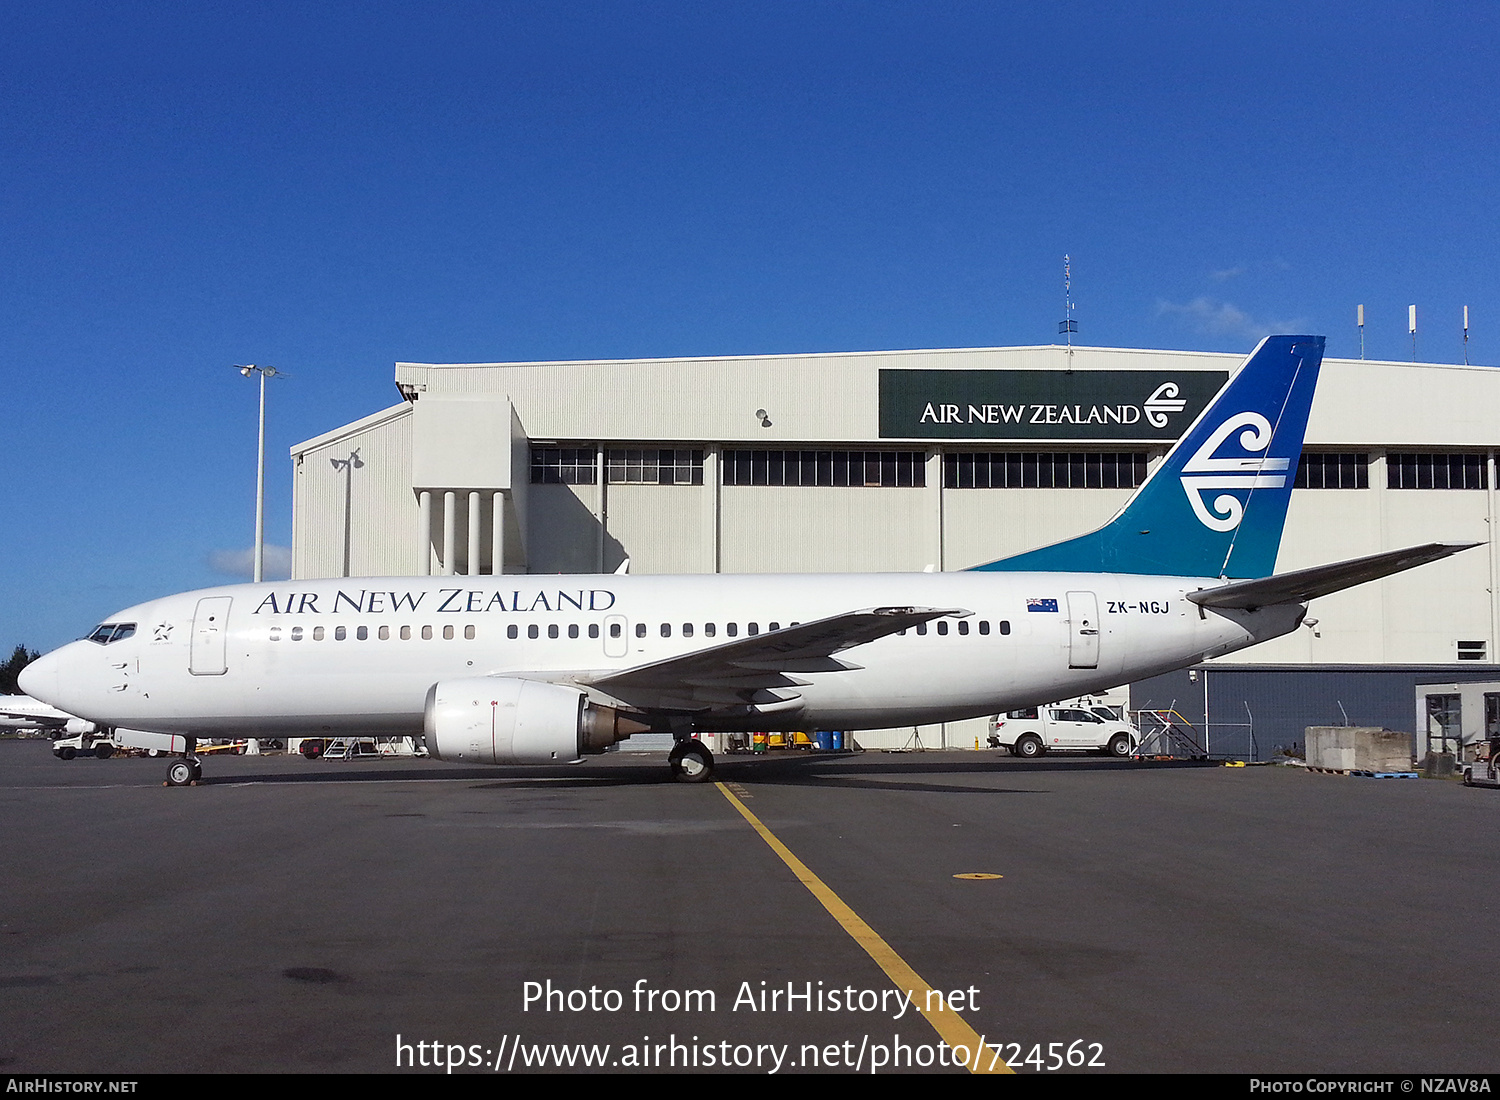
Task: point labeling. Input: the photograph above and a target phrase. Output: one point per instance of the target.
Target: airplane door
(616, 640)
(1083, 630)
(210, 637)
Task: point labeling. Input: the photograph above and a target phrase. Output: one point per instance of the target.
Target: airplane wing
(1308, 584)
(747, 673)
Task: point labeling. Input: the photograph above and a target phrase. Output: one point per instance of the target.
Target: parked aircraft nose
(39, 679)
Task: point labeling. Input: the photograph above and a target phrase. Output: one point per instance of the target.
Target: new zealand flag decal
(1041, 605)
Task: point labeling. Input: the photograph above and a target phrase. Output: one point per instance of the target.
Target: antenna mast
(1068, 326)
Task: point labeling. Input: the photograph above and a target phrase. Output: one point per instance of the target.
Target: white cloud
(1216, 318)
(241, 563)
(1226, 274)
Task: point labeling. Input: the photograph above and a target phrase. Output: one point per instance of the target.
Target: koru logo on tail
(1204, 473)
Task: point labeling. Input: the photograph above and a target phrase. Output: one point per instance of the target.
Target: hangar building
(943, 459)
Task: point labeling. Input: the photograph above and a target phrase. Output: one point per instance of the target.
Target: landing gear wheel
(691, 762)
(182, 773)
(1119, 745)
(1029, 747)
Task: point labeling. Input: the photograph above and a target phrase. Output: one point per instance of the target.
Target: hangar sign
(1043, 404)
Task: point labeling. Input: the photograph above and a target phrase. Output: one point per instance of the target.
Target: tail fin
(1216, 505)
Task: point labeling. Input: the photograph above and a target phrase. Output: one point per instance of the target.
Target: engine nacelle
(77, 727)
(504, 720)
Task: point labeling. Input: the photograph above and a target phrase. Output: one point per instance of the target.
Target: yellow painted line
(949, 1025)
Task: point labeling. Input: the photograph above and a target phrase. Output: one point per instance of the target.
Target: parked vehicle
(1064, 727)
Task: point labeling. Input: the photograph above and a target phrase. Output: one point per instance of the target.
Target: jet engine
(504, 720)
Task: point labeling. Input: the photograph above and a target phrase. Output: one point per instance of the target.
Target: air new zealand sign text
(1043, 404)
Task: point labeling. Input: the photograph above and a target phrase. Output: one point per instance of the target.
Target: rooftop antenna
(1068, 326)
(1360, 314)
(1411, 324)
(1466, 336)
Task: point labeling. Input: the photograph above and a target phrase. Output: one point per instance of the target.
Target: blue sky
(334, 187)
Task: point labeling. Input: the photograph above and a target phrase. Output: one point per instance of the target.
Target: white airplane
(22, 712)
(544, 669)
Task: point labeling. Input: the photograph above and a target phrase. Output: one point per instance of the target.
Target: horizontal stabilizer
(1309, 584)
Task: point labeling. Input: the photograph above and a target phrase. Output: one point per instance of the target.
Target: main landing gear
(691, 762)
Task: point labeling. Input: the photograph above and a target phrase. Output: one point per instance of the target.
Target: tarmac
(405, 915)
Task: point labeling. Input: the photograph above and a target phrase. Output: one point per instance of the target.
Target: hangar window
(1325, 470)
(1044, 470)
(1435, 471)
(654, 467)
(872, 469)
(562, 466)
(1471, 651)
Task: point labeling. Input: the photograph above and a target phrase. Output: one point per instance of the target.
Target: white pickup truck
(1062, 726)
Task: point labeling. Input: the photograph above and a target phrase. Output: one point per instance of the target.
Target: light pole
(260, 468)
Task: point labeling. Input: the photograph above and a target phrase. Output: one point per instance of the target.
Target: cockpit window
(105, 633)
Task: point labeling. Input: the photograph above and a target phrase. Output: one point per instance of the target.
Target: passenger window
(532, 632)
(733, 630)
(317, 633)
(614, 630)
(752, 629)
(296, 633)
(773, 626)
(552, 630)
(984, 626)
(512, 631)
(942, 626)
(572, 630)
(640, 630)
(469, 633)
(1004, 626)
(687, 630)
(339, 633)
(406, 633)
(447, 633)
(427, 633)
(666, 630)
(709, 630)
(362, 633)
(385, 634)
(963, 626)
(276, 634)
(922, 629)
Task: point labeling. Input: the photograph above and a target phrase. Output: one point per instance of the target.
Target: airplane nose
(39, 679)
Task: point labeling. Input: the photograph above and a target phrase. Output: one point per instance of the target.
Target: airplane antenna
(1411, 324)
(1466, 336)
(1359, 313)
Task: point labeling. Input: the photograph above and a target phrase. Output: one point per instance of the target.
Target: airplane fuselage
(360, 654)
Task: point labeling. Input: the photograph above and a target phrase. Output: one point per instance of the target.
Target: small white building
(901, 460)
